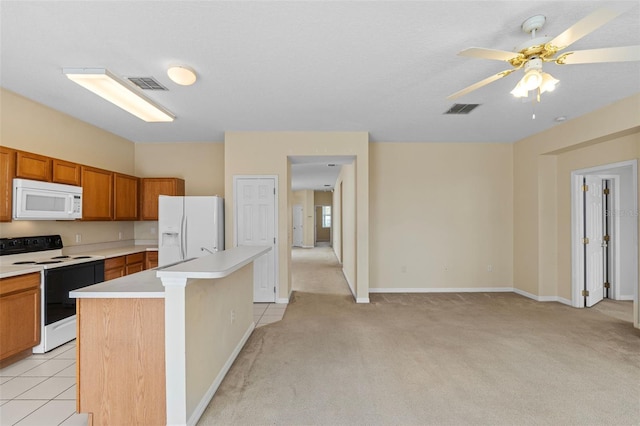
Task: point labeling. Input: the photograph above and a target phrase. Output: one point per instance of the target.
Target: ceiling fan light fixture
(548, 83)
(520, 91)
(532, 79)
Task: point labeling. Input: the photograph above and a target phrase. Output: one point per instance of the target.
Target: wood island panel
(120, 361)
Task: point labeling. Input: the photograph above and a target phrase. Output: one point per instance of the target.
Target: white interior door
(297, 225)
(594, 250)
(255, 226)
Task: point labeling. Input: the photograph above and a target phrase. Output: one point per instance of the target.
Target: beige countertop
(148, 284)
(7, 271)
(121, 251)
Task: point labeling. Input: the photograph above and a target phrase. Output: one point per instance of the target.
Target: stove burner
(46, 262)
(60, 257)
(81, 257)
(25, 262)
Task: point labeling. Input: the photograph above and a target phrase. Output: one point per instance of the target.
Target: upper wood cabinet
(125, 203)
(66, 172)
(97, 194)
(7, 173)
(33, 166)
(151, 188)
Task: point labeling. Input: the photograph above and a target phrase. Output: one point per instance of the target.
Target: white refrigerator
(189, 227)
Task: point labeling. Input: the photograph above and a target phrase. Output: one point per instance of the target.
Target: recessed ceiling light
(182, 75)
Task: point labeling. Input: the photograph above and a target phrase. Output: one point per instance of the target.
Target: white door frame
(276, 218)
(577, 260)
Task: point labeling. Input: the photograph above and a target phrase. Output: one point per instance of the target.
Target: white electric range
(60, 274)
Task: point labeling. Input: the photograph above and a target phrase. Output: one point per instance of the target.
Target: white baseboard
(204, 402)
(543, 298)
(474, 290)
(442, 290)
(362, 300)
(626, 297)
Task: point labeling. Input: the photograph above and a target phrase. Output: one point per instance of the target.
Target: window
(326, 216)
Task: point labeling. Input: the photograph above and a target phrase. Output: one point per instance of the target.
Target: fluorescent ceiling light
(182, 75)
(103, 83)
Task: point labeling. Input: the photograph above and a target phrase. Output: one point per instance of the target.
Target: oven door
(59, 281)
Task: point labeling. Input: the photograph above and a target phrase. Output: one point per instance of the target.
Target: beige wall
(440, 214)
(32, 127)
(542, 210)
(265, 153)
(201, 165)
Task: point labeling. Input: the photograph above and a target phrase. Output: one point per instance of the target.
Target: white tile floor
(267, 313)
(41, 390)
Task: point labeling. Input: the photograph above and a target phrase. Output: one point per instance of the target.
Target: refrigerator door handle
(183, 242)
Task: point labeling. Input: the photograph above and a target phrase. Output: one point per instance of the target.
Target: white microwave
(36, 200)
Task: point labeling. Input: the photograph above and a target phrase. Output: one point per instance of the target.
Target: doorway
(604, 206)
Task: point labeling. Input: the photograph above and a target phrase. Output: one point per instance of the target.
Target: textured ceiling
(381, 67)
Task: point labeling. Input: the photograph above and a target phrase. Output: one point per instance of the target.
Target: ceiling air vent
(147, 83)
(461, 108)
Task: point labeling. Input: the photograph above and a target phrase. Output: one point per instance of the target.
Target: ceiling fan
(532, 54)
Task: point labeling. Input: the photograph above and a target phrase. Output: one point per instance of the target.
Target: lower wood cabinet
(151, 260)
(19, 314)
(134, 263)
(116, 267)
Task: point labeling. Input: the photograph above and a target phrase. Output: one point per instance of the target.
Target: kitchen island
(153, 347)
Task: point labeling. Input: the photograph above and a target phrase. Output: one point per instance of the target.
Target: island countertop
(148, 284)
(216, 265)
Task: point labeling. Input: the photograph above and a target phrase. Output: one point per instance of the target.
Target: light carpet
(431, 359)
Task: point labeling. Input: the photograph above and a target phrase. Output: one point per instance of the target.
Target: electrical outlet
(489, 268)
(233, 316)
(119, 235)
(78, 238)
(153, 231)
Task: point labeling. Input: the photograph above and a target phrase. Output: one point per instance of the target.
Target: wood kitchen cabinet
(125, 203)
(7, 173)
(151, 260)
(134, 263)
(151, 188)
(97, 193)
(66, 172)
(116, 267)
(19, 315)
(33, 166)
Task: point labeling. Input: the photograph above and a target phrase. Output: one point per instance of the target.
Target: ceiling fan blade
(583, 27)
(611, 54)
(480, 84)
(482, 53)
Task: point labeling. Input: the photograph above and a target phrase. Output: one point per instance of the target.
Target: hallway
(317, 270)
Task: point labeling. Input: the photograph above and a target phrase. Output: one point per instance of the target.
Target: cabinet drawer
(114, 262)
(113, 273)
(19, 283)
(133, 268)
(135, 258)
